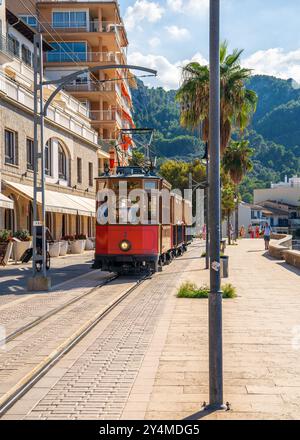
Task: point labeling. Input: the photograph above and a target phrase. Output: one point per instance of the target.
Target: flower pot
(63, 248)
(19, 247)
(77, 246)
(89, 245)
(54, 249)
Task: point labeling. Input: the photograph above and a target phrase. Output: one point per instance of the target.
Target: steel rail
(53, 312)
(40, 372)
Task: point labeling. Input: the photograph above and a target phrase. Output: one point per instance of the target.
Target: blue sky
(164, 34)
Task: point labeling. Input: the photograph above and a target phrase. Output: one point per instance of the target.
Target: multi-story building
(85, 34)
(72, 152)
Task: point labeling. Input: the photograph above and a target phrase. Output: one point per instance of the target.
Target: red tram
(154, 229)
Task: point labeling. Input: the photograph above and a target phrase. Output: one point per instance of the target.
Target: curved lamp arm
(66, 79)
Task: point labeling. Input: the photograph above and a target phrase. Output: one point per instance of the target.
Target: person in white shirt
(267, 236)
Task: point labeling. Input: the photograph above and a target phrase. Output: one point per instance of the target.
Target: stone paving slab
(102, 368)
(261, 345)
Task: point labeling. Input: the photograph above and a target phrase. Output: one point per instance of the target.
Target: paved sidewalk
(261, 346)
(149, 358)
(13, 278)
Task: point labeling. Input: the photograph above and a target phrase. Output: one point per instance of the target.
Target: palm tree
(237, 102)
(228, 206)
(237, 162)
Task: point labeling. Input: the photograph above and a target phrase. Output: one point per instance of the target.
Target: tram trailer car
(126, 248)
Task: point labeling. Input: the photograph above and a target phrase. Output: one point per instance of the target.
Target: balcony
(90, 86)
(105, 116)
(90, 26)
(84, 57)
(6, 54)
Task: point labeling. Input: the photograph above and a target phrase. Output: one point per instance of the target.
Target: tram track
(53, 312)
(31, 378)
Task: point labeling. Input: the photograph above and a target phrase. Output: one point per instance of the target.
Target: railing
(90, 26)
(5, 47)
(90, 57)
(23, 96)
(90, 86)
(105, 115)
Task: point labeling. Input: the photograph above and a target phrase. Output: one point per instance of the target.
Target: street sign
(37, 223)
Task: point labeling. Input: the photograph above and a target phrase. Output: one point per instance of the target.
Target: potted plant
(78, 245)
(22, 242)
(65, 247)
(90, 244)
(54, 249)
(6, 245)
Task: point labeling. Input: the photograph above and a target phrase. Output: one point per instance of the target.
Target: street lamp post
(215, 296)
(37, 282)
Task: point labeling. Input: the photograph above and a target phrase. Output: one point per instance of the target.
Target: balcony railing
(90, 57)
(90, 26)
(105, 115)
(91, 87)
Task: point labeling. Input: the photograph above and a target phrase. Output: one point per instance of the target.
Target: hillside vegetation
(274, 133)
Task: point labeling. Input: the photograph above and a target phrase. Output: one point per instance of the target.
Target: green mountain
(274, 133)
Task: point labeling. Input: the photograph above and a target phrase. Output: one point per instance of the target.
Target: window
(29, 153)
(79, 170)
(11, 147)
(68, 52)
(29, 19)
(91, 179)
(48, 158)
(26, 55)
(13, 45)
(69, 19)
(62, 163)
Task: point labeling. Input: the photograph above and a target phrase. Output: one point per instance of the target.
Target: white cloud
(154, 42)
(177, 33)
(189, 7)
(275, 62)
(169, 74)
(142, 10)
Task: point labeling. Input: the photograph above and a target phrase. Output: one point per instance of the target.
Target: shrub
(190, 290)
(5, 236)
(80, 237)
(68, 238)
(22, 235)
(229, 291)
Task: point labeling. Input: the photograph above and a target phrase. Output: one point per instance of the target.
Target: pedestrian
(250, 231)
(267, 236)
(242, 231)
(257, 232)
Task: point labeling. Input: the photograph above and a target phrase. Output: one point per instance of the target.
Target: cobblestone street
(148, 358)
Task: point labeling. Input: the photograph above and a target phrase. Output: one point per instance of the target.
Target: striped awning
(5, 202)
(59, 202)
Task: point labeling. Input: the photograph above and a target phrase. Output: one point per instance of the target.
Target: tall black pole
(215, 297)
(207, 214)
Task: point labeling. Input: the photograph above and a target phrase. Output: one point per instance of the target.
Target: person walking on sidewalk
(267, 236)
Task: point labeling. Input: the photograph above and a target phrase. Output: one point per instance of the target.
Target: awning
(5, 202)
(58, 201)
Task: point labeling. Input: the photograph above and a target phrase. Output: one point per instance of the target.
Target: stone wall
(279, 244)
(292, 257)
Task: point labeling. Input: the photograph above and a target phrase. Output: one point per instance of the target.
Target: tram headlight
(125, 245)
